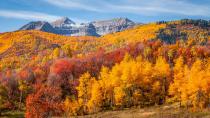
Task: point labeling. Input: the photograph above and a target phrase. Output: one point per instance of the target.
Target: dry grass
(166, 111)
(171, 111)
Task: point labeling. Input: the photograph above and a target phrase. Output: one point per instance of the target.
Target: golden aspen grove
(47, 75)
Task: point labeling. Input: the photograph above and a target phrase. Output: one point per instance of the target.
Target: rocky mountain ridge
(65, 26)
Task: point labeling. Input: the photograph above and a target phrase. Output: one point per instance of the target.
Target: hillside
(30, 43)
(34, 41)
(147, 31)
(24, 45)
(46, 75)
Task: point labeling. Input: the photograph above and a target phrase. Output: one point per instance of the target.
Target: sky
(16, 13)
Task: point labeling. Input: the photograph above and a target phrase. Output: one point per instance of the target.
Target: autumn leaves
(133, 82)
(190, 86)
(131, 68)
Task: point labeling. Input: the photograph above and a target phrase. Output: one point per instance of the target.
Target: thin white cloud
(182, 7)
(159, 7)
(178, 7)
(143, 7)
(69, 4)
(28, 15)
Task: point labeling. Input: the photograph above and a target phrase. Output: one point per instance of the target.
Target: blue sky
(15, 13)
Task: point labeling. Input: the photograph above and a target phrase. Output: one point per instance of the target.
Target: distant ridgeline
(202, 23)
(198, 30)
(65, 26)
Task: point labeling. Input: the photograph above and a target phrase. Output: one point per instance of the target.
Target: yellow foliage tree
(179, 80)
(67, 50)
(198, 85)
(95, 102)
(71, 107)
(56, 53)
(162, 74)
(84, 90)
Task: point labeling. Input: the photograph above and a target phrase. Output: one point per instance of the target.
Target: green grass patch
(12, 114)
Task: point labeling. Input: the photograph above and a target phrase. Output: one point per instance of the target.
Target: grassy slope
(12, 114)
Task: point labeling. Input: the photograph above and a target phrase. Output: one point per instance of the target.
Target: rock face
(65, 26)
(39, 25)
(114, 25)
(63, 23)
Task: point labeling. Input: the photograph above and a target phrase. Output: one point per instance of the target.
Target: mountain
(39, 25)
(86, 30)
(65, 26)
(114, 25)
(64, 22)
